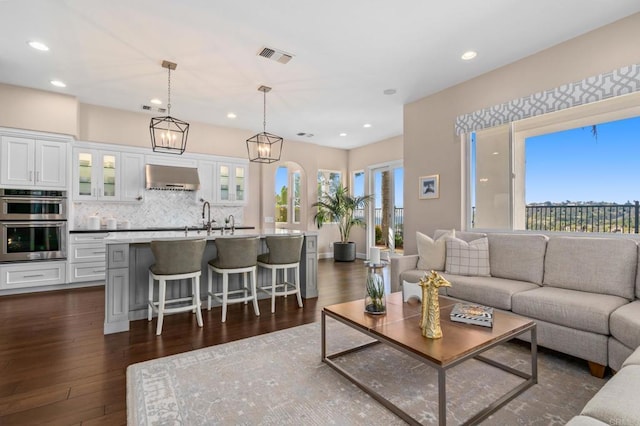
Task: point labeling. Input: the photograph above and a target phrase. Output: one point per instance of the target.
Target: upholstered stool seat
(284, 255)
(235, 255)
(175, 260)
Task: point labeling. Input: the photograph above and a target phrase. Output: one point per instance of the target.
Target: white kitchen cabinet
(231, 183)
(32, 274)
(95, 175)
(87, 257)
(131, 176)
(207, 176)
(31, 162)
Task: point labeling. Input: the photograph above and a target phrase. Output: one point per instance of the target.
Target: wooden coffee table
(399, 329)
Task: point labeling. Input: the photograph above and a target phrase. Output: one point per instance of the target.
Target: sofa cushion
(617, 353)
(432, 253)
(634, 358)
(617, 401)
(575, 309)
(468, 258)
(595, 265)
(517, 256)
(585, 421)
(463, 235)
(490, 291)
(625, 324)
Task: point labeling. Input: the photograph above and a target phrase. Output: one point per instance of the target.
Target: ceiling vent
(275, 55)
(154, 109)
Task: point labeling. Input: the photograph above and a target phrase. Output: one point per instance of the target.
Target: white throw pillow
(432, 254)
(465, 258)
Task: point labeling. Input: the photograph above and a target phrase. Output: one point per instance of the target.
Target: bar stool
(175, 260)
(236, 255)
(284, 254)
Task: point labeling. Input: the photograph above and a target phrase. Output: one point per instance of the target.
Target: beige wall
(29, 109)
(430, 143)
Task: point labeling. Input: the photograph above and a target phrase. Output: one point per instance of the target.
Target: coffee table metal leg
(534, 354)
(442, 396)
(323, 336)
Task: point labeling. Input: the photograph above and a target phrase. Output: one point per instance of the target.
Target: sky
(576, 166)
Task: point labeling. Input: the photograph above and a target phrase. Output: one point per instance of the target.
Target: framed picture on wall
(429, 187)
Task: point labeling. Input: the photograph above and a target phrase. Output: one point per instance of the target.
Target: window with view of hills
(563, 173)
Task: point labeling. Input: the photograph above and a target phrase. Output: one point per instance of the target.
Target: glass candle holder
(375, 300)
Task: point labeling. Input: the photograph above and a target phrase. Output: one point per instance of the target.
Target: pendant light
(168, 134)
(264, 147)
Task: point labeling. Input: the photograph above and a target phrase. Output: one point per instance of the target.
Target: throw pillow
(468, 258)
(431, 254)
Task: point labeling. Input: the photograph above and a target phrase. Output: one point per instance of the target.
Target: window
(357, 189)
(328, 181)
(288, 195)
(571, 171)
(296, 198)
(282, 195)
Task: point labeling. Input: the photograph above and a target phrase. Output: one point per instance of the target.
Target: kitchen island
(129, 257)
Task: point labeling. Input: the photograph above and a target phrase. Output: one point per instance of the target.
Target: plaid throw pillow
(465, 258)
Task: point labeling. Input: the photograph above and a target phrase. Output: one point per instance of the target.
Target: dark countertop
(191, 228)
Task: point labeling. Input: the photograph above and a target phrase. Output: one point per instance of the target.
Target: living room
(427, 144)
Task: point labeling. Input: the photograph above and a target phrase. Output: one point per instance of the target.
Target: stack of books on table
(472, 314)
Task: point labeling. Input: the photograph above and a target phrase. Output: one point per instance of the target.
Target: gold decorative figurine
(430, 318)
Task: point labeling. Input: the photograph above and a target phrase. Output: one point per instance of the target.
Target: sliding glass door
(386, 213)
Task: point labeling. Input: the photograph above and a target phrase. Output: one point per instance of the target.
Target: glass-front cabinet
(95, 174)
(232, 183)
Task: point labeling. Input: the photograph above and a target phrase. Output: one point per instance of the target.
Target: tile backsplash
(157, 209)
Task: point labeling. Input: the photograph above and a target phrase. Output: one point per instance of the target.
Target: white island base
(127, 277)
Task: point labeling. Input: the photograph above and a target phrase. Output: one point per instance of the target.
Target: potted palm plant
(339, 206)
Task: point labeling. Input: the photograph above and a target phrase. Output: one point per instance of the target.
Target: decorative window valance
(614, 83)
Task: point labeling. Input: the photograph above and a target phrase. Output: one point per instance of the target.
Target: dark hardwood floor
(56, 366)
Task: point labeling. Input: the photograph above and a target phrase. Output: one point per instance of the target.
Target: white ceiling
(346, 53)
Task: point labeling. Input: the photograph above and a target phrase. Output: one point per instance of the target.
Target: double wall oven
(33, 225)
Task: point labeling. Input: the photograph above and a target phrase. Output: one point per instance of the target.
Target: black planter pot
(344, 252)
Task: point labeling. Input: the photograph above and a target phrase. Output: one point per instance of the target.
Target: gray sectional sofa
(617, 403)
(583, 293)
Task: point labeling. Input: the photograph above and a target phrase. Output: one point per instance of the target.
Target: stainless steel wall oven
(33, 225)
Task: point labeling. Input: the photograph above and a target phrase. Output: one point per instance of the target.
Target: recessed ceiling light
(484, 180)
(468, 55)
(38, 45)
(366, 126)
(343, 134)
(390, 92)
(495, 153)
(58, 83)
(231, 115)
(156, 101)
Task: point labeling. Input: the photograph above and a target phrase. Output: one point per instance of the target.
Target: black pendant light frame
(264, 147)
(169, 134)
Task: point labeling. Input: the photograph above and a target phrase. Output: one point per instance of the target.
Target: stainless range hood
(171, 178)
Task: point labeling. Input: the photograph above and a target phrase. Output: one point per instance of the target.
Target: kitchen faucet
(232, 220)
(207, 206)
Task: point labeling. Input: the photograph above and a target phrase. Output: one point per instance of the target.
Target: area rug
(279, 379)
